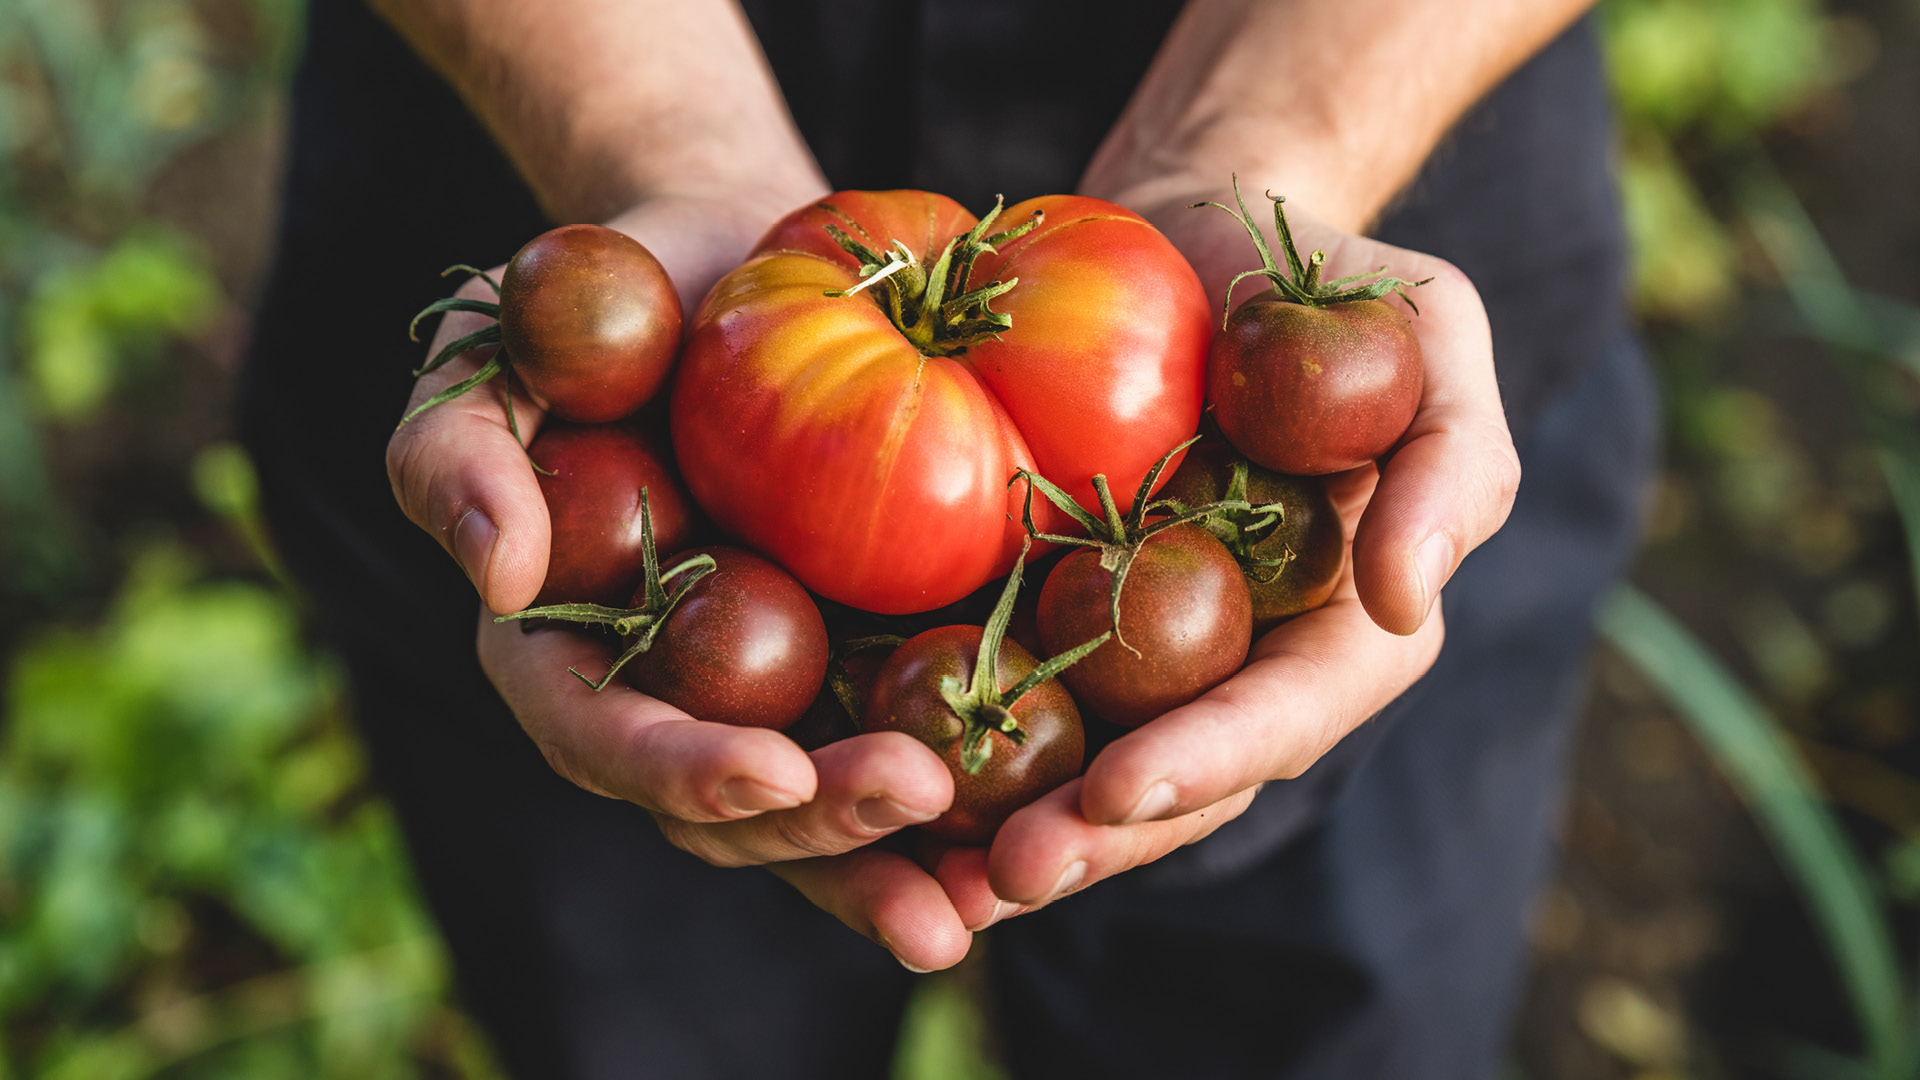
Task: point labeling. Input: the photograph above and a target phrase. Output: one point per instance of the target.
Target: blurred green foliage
(1760, 485)
(84, 321)
(194, 878)
(187, 762)
(96, 98)
(1692, 78)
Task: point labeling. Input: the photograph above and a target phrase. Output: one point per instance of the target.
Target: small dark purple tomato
(1184, 607)
(590, 322)
(593, 502)
(1310, 529)
(906, 696)
(745, 646)
(1313, 390)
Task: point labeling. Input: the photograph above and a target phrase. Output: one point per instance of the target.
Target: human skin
(660, 118)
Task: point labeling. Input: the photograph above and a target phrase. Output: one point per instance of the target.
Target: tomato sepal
(983, 708)
(933, 307)
(1300, 283)
(1118, 538)
(840, 681)
(641, 624)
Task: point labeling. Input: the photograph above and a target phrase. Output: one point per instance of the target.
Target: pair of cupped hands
(743, 796)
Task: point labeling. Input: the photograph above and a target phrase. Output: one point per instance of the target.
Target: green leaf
(1761, 764)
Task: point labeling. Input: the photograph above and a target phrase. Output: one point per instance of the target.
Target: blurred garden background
(196, 879)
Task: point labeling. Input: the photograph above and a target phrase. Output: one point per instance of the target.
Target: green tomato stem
(1300, 283)
(936, 308)
(641, 624)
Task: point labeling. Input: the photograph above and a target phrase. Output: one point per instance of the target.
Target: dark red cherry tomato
(593, 501)
(906, 696)
(719, 633)
(1184, 607)
(998, 717)
(590, 322)
(745, 646)
(1314, 377)
(1292, 565)
(1313, 390)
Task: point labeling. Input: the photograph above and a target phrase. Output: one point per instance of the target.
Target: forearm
(1333, 103)
(603, 104)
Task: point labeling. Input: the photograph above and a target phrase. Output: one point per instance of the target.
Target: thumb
(1451, 482)
(458, 472)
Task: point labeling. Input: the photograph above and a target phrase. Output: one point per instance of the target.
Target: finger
(869, 786)
(624, 744)
(458, 472)
(962, 872)
(1451, 481)
(886, 897)
(1306, 685)
(1048, 849)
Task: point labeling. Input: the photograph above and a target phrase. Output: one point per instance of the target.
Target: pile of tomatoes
(792, 511)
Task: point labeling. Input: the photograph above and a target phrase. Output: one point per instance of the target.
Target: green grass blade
(942, 1035)
(1763, 766)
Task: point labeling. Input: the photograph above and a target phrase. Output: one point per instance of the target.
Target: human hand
(1447, 486)
(732, 796)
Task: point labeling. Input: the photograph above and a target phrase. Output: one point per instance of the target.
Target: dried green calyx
(1243, 530)
(486, 336)
(841, 683)
(936, 306)
(1300, 283)
(983, 708)
(639, 624)
(1118, 538)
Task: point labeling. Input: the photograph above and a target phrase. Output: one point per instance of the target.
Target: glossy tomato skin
(590, 322)
(809, 426)
(1308, 391)
(1311, 529)
(593, 503)
(745, 646)
(906, 697)
(1185, 607)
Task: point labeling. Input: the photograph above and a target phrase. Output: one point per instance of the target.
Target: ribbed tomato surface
(810, 425)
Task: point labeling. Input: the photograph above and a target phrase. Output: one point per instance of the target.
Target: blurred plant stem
(1762, 765)
(1870, 339)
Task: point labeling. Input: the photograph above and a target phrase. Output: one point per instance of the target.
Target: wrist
(700, 235)
(1314, 170)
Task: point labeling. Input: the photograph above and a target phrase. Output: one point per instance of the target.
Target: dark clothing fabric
(1361, 921)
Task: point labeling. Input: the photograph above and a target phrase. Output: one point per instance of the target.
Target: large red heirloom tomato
(854, 399)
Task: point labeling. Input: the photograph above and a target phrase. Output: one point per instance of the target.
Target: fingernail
(1001, 910)
(744, 796)
(881, 814)
(473, 538)
(888, 945)
(1070, 879)
(1434, 560)
(1154, 804)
